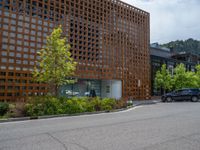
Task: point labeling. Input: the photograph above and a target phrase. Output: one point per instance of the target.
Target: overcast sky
(171, 20)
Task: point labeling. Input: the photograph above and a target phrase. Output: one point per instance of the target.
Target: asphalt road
(163, 126)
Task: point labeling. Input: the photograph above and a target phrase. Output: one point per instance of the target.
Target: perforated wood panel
(109, 39)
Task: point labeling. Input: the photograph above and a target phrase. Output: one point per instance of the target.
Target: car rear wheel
(168, 99)
(194, 99)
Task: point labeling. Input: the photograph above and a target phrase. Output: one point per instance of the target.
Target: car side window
(179, 91)
(195, 90)
(185, 91)
(175, 92)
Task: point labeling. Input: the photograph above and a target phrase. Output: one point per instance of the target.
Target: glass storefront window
(82, 87)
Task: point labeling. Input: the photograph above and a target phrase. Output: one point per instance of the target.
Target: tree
(191, 80)
(183, 78)
(163, 79)
(198, 75)
(56, 65)
(189, 45)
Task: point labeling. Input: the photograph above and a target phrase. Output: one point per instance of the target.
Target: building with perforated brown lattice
(109, 39)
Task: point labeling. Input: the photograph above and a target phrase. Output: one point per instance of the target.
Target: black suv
(183, 94)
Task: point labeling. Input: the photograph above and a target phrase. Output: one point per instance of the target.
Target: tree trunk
(164, 90)
(55, 90)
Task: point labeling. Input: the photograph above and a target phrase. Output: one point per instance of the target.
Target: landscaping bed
(46, 106)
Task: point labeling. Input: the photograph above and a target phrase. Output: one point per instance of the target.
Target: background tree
(163, 79)
(198, 75)
(190, 45)
(191, 80)
(183, 78)
(56, 65)
(180, 76)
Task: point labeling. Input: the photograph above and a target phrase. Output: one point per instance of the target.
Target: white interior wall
(111, 88)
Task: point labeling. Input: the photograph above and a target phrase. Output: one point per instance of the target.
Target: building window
(10, 74)
(13, 16)
(10, 68)
(11, 54)
(26, 43)
(18, 61)
(2, 73)
(33, 20)
(25, 49)
(2, 80)
(18, 68)
(5, 40)
(3, 60)
(13, 28)
(9, 94)
(3, 67)
(20, 23)
(11, 47)
(11, 60)
(31, 63)
(26, 37)
(4, 47)
(5, 27)
(5, 33)
(3, 53)
(19, 49)
(6, 19)
(32, 44)
(12, 41)
(32, 50)
(10, 80)
(2, 94)
(32, 38)
(18, 55)
(19, 42)
(107, 89)
(17, 88)
(19, 35)
(2, 87)
(17, 94)
(25, 55)
(25, 62)
(25, 69)
(10, 87)
(12, 35)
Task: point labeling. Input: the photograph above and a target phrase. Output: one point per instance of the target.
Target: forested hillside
(189, 45)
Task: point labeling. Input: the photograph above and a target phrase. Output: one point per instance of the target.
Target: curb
(139, 103)
(60, 115)
(14, 119)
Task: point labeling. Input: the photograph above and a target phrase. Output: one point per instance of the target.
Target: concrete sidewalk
(145, 102)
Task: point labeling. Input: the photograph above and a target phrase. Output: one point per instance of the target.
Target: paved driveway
(163, 126)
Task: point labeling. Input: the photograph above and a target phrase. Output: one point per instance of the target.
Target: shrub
(96, 103)
(108, 104)
(129, 103)
(73, 106)
(17, 109)
(32, 106)
(77, 105)
(49, 105)
(43, 105)
(52, 106)
(90, 106)
(121, 103)
(4, 107)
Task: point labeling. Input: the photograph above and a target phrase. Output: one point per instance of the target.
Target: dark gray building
(161, 55)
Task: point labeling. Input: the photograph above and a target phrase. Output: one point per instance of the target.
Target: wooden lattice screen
(109, 39)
